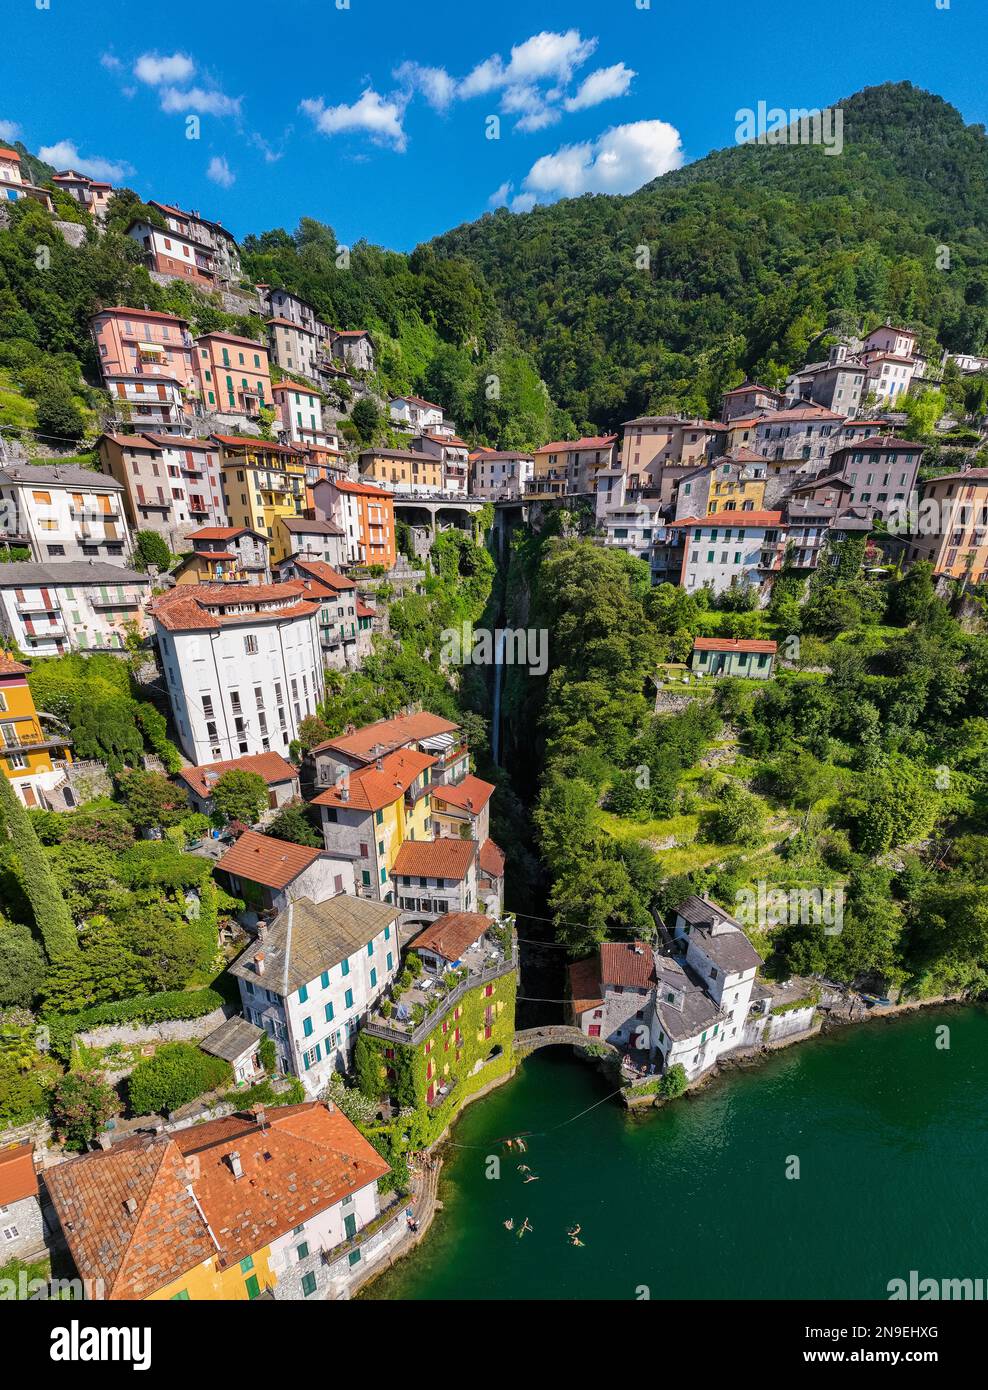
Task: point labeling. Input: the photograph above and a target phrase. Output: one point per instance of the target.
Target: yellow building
(27, 750)
(402, 469)
(737, 483)
(266, 1203)
(368, 813)
(263, 482)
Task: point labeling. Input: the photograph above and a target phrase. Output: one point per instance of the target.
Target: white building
(73, 605)
(415, 414)
(731, 549)
(636, 528)
(300, 416)
(497, 474)
(312, 977)
(242, 664)
(63, 513)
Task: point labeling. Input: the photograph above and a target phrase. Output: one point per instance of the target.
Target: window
(250, 644)
(247, 1265)
(324, 979)
(303, 994)
(329, 1013)
(308, 1285)
(379, 817)
(348, 999)
(307, 1027)
(252, 1286)
(302, 1251)
(345, 964)
(373, 978)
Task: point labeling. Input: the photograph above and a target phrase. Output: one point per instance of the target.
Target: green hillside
(755, 252)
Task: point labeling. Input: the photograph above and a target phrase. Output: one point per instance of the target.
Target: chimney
(379, 764)
(236, 1167)
(262, 931)
(259, 1116)
(259, 962)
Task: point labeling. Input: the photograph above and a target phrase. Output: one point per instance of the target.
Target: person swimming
(575, 1231)
(524, 1168)
(525, 1227)
(530, 1177)
(509, 1225)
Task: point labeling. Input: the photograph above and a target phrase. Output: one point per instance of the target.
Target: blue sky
(375, 117)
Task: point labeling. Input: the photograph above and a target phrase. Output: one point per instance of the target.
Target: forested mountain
(755, 251)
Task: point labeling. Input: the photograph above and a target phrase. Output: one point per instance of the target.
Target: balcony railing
(416, 1033)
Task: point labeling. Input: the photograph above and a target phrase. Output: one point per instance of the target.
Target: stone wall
(170, 1030)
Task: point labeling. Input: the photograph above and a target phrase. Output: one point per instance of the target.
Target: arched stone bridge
(554, 1035)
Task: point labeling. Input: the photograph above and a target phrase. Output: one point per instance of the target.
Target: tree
(674, 1082)
(240, 795)
(81, 1104)
(59, 420)
(177, 1073)
(739, 817)
(312, 731)
(150, 548)
(152, 800)
(293, 823)
(52, 918)
(23, 965)
(366, 417)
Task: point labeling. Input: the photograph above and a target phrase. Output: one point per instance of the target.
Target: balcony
(38, 605)
(95, 514)
(127, 601)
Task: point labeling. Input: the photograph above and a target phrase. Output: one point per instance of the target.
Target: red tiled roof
(191, 606)
(744, 519)
(733, 644)
(452, 934)
(598, 441)
(361, 489)
(372, 788)
(415, 400)
(17, 1176)
(265, 445)
(213, 555)
(584, 985)
(880, 441)
(303, 1160)
(140, 314)
(388, 734)
(223, 533)
(364, 610)
(10, 154)
(471, 794)
(10, 667)
(972, 475)
(325, 574)
(627, 963)
(802, 412)
(447, 858)
(265, 860)
(293, 386)
(271, 766)
(491, 859)
(232, 338)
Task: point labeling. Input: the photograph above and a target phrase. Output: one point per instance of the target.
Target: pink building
(93, 195)
(147, 361)
(170, 253)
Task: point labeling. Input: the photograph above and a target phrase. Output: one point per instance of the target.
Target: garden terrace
(417, 1010)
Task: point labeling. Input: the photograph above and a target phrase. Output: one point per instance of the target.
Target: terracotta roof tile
(491, 859)
(372, 788)
(388, 734)
(271, 766)
(265, 860)
(304, 1160)
(446, 858)
(471, 794)
(584, 985)
(18, 1179)
(732, 644)
(627, 963)
(452, 934)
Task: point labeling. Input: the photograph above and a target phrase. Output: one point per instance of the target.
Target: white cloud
(543, 57)
(65, 155)
(619, 161)
(220, 172)
(539, 120)
(9, 130)
(500, 195)
(600, 86)
(111, 62)
(380, 117)
(435, 84)
(154, 68)
(207, 102)
(524, 202)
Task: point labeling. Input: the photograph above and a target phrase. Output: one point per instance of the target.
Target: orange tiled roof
(447, 858)
(743, 519)
(223, 533)
(372, 788)
(471, 794)
(265, 860)
(492, 859)
(190, 607)
(584, 985)
(303, 1160)
(627, 963)
(10, 667)
(271, 766)
(325, 574)
(18, 1179)
(452, 934)
(388, 734)
(733, 644)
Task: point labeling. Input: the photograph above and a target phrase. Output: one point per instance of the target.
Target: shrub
(81, 1104)
(147, 1008)
(674, 1082)
(177, 1073)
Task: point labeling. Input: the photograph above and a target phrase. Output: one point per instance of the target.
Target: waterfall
(500, 641)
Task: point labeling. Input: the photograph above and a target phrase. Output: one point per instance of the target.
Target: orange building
(27, 750)
(234, 374)
(366, 516)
